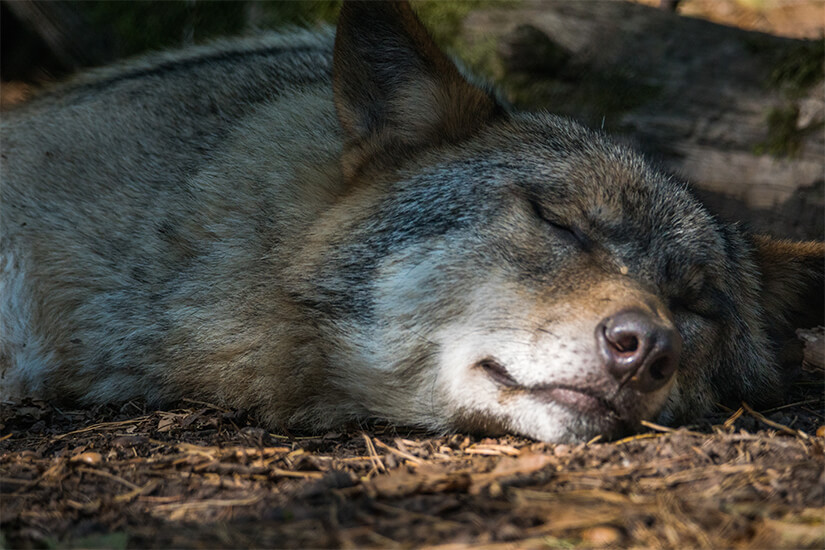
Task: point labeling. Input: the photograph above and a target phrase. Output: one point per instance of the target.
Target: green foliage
(794, 67)
(800, 67)
(443, 19)
(784, 139)
(480, 53)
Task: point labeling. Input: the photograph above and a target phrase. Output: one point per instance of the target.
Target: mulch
(205, 477)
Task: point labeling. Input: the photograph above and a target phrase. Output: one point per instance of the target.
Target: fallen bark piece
(90, 457)
(814, 347)
(428, 479)
(509, 469)
(602, 535)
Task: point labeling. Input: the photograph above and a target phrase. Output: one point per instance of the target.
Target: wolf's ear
(793, 280)
(395, 91)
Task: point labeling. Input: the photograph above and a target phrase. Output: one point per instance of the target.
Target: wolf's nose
(639, 349)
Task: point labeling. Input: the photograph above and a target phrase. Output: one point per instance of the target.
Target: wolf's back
(249, 69)
(165, 103)
(128, 193)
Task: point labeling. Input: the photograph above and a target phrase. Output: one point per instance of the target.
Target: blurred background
(728, 94)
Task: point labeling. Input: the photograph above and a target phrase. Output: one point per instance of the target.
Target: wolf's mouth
(580, 399)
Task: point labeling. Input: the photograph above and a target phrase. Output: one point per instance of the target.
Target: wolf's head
(500, 271)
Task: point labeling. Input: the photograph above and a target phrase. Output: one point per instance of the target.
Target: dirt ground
(205, 477)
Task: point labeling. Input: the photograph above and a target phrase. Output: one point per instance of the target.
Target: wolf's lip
(582, 400)
(578, 399)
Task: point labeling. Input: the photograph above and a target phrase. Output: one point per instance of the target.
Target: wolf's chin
(555, 421)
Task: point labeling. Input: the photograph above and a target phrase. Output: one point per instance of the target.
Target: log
(739, 114)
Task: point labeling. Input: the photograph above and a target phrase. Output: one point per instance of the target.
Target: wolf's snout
(639, 349)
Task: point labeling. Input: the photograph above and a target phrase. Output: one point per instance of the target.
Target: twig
(103, 473)
(148, 488)
(657, 427)
(103, 426)
(789, 405)
(493, 450)
(637, 437)
(290, 473)
(773, 424)
(179, 509)
(666, 429)
(729, 422)
(376, 460)
(414, 459)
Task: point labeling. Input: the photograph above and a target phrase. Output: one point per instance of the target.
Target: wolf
(330, 228)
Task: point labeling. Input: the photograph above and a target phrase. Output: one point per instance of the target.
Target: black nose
(639, 349)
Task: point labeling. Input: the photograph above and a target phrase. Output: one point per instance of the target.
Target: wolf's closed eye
(695, 293)
(708, 304)
(681, 304)
(569, 233)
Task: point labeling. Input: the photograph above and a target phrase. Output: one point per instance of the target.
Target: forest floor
(206, 477)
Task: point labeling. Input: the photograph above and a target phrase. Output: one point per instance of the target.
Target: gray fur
(184, 226)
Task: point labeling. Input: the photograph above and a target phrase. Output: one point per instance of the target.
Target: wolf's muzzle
(639, 349)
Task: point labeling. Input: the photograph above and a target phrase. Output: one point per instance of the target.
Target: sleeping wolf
(328, 230)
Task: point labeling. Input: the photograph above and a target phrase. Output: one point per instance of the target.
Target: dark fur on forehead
(585, 176)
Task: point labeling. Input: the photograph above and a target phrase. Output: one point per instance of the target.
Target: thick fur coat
(324, 229)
